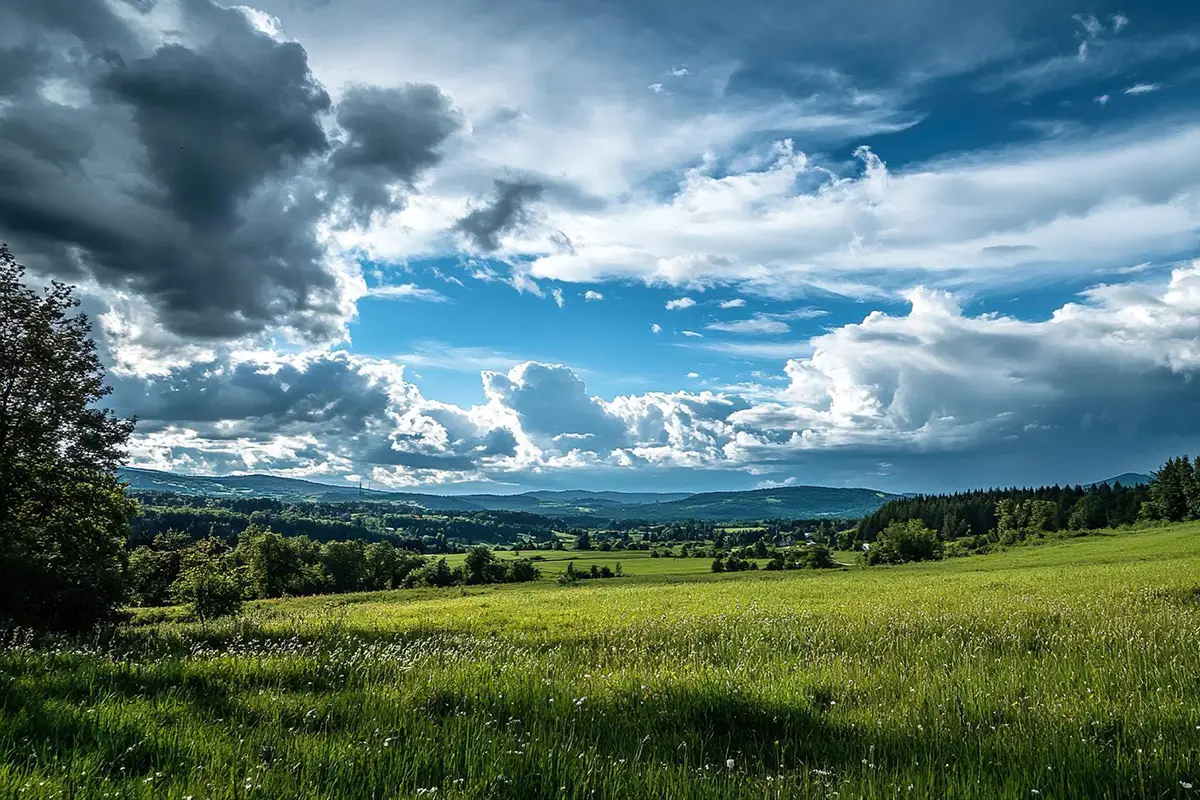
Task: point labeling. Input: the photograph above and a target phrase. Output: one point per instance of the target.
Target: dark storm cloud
(507, 211)
(195, 174)
(91, 22)
(19, 66)
(217, 124)
(391, 137)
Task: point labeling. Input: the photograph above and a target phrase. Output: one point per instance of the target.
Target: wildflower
(1185, 784)
(729, 763)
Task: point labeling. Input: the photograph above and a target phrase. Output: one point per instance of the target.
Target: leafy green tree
(1017, 519)
(817, 556)
(434, 573)
(387, 566)
(482, 566)
(152, 569)
(64, 518)
(583, 541)
(903, 542)
(718, 565)
(346, 564)
(209, 588)
(1088, 514)
(522, 570)
(277, 565)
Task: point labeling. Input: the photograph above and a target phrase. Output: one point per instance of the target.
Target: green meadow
(1065, 670)
(634, 563)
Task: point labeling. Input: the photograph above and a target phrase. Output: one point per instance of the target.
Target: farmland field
(1066, 670)
(634, 563)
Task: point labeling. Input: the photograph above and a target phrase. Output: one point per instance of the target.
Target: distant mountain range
(794, 502)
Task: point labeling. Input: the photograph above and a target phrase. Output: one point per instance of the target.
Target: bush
(904, 542)
(570, 577)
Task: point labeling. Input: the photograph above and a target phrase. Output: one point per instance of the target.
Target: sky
(635, 244)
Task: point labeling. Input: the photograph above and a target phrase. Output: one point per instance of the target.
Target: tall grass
(1068, 670)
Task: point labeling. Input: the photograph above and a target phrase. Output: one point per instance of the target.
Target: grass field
(1069, 670)
(634, 563)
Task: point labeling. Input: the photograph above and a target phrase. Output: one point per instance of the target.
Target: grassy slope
(1071, 669)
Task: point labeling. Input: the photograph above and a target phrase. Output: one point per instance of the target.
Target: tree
(522, 570)
(151, 570)
(1088, 514)
(817, 556)
(274, 566)
(902, 542)
(482, 566)
(388, 566)
(64, 517)
(210, 588)
(1169, 489)
(345, 563)
(432, 573)
(583, 541)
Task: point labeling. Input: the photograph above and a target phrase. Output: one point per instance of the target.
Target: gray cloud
(507, 211)
(196, 174)
(216, 124)
(552, 404)
(327, 396)
(392, 136)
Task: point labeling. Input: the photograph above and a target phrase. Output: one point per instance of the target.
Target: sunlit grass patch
(1070, 669)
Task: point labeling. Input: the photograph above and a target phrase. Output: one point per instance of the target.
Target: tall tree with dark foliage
(64, 517)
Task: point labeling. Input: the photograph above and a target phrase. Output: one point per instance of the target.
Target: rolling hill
(1126, 479)
(795, 502)
(788, 502)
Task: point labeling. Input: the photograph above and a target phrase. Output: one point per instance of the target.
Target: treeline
(980, 513)
(226, 518)
(213, 577)
(1174, 493)
(930, 527)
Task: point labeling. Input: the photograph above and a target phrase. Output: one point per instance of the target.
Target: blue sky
(475, 246)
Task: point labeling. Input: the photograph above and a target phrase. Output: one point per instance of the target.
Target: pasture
(1070, 669)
